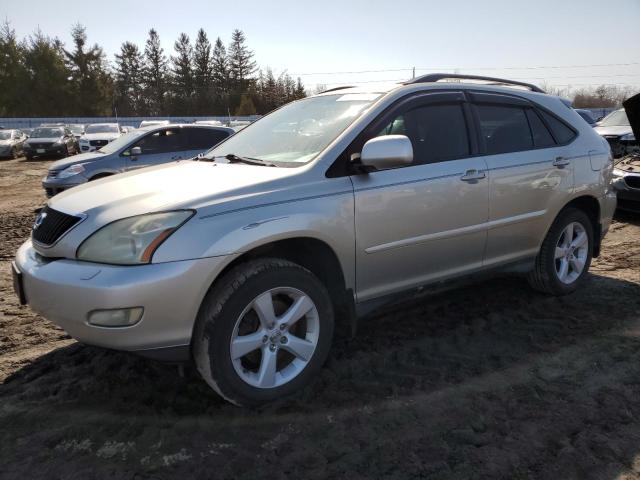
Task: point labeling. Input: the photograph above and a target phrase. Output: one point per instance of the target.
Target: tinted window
(541, 135)
(162, 141)
(504, 129)
(437, 132)
(204, 138)
(561, 132)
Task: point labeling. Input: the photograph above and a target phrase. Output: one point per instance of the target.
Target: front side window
(504, 128)
(296, 133)
(204, 138)
(437, 132)
(162, 141)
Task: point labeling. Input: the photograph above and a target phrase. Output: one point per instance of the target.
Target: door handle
(473, 175)
(561, 162)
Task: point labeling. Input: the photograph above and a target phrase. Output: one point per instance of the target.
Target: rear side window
(561, 132)
(162, 141)
(204, 138)
(437, 132)
(504, 128)
(541, 136)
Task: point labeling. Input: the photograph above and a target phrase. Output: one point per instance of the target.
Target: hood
(183, 184)
(6, 142)
(44, 139)
(82, 158)
(616, 130)
(100, 136)
(632, 107)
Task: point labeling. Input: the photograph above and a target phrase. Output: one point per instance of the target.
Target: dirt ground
(488, 381)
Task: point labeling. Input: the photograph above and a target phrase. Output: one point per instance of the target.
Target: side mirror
(136, 151)
(389, 151)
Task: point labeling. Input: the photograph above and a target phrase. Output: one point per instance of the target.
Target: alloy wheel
(571, 252)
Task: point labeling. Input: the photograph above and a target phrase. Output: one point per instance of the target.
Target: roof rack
(338, 88)
(434, 77)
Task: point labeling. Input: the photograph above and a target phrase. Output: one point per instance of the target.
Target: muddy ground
(489, 381)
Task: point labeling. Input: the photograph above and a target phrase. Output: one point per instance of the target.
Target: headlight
(132, 241)
(629, 137)
(617, 172)
(71, 171)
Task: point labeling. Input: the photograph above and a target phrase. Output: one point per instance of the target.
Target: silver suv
(244, 260)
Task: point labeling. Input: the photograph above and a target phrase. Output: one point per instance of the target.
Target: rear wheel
(565, 255)
(263, 332)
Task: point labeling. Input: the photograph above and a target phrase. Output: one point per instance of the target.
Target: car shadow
(491, 379)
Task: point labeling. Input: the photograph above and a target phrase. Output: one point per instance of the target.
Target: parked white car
(97, 135)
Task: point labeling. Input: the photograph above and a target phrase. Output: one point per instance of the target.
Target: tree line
(39, 76)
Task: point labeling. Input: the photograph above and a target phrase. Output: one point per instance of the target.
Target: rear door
(529, 174)
(160, 146)
(425, 221)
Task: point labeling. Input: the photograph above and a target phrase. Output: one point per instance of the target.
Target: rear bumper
(65, 291)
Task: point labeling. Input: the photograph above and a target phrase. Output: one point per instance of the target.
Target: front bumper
(54, 185)
(50, 150)
(628, 197)
(65, 291)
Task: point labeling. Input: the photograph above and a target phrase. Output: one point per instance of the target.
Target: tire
(14, 153)
(29, 157)
(547, 276)
(231, 305)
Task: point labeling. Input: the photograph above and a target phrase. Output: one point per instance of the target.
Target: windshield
(76, 128)
(617, 118)
(5, 135)
(297, 132)
(102, 128)
(47, 133)
(121, 142)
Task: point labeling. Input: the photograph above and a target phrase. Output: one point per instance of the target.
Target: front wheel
(263, 331)
(565, 255)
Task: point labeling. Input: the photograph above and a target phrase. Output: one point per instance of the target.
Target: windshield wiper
(233, 158)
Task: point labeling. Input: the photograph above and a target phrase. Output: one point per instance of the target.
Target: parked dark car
(587, 115)
(136, 149)
(11, 142)
(626, 171)
(44, 141)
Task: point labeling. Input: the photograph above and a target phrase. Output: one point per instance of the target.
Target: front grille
(631, 181)
(41, 145)
(53, 173)
(53, 225)
(98, 143)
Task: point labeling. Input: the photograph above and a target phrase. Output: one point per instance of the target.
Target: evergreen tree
(182, 76)
(13, 73)
(220, 77)
(203, 75)
(155, 75)
(300, 91)
(241, 65)
(91, 82)
(130, 99)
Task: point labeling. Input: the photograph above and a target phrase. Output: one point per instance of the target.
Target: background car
(137, 149)
(153, 123)
(77, 129)
(97, 135)
(11, 142)
(44, 141)
(587, 115)
(616, 129)
(626, 173)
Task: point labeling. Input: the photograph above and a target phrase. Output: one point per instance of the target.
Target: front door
(426, 221)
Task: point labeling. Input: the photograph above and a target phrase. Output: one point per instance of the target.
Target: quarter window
(437, 132)
(504, 129)
(541, 136)
(561, 132)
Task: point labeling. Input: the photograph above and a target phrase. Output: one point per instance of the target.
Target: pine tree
(155, 74)
(129, 81)
(13, 74)
(220, 78)
(300, 91)
(182, 76)
(241, 63)
(203, 75)
(90, 79)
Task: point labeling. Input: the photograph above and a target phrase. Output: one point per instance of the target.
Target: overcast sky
(491, 37)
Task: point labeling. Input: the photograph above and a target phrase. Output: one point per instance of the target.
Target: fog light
(120, 317)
